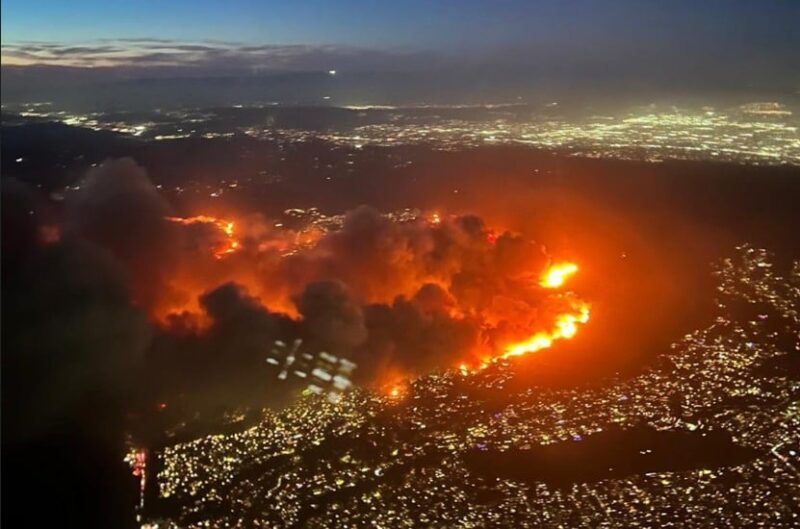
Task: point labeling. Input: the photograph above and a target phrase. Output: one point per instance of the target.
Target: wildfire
(231, 243)
(395, 392)
(557, 274)
(565, 327)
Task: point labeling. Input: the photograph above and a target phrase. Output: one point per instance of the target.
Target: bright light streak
(225, 226)
(557, 274)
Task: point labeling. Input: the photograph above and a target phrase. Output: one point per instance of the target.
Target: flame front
(225, 226)
(565, 327)
(556, 275)
(564, 324)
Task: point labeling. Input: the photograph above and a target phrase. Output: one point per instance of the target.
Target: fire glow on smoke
(230, 243)
(557, 315)
(566, 324)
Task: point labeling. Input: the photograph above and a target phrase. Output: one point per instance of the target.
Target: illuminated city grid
(680, 135)
(756, 133)
(377, 461)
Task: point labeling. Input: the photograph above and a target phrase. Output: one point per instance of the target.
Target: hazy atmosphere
(400, 264)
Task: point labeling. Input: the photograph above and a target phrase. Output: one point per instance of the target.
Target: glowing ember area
(566, 327)
(49, 234)
(396, 392)
(230, 245)
(556, 275)
(480, 295)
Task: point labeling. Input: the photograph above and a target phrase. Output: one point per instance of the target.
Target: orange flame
(556, 275)
(225, 226)
(396, 392)
(565, 327)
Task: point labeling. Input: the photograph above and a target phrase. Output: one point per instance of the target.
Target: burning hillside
(228, 245)
(398, 294)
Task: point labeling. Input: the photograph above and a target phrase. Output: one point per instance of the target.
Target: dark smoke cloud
(118, 207)
(222, 366)
(410, 296)
(416, 335)
(118, 321)
(432, 299)
(73, 344)
(430, 293)
(380, 259)
(332, 318)
(69, 326)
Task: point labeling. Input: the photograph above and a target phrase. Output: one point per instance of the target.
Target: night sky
(415, 34)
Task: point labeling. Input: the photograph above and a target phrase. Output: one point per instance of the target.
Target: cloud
(89, 51)
(409, 296)
(70, 330)
(332, 317)
(416, 335)
(220, 366)
(118, 207)
(208, 55)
